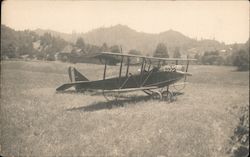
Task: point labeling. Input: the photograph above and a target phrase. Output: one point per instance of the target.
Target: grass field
(37, 121)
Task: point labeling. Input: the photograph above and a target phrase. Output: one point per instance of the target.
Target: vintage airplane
(153, 78)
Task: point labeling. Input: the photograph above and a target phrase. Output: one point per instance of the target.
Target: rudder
(75, 75)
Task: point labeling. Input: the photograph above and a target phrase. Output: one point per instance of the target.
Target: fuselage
(147, 79)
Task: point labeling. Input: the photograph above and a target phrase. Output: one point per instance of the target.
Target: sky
(225, 21)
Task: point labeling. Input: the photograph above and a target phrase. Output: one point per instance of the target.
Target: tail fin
(75, 75)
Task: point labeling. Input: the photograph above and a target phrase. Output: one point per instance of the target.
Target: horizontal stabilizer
(64, 87)
(69, 85)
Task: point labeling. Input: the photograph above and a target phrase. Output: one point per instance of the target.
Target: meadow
(37, 121)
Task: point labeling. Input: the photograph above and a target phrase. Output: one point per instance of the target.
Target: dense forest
(48, 46)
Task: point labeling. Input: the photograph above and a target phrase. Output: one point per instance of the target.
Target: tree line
(16, 44)
(28, 44)
(239, 57)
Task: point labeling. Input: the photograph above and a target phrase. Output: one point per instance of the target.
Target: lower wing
(130, 89)
(180, 84)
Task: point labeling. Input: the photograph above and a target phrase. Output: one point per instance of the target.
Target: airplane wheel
(110, 97)
(156, 95)
(168, 96)
(174, 97)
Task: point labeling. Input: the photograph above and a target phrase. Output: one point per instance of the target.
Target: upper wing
(147, 57)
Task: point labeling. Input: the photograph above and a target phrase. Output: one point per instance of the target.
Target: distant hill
(65, 36)
(144, 42)
(17, 44)
(52, 45)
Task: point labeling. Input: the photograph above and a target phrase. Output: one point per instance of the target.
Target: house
(65, 54)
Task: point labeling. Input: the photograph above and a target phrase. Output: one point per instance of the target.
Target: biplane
(154, 77)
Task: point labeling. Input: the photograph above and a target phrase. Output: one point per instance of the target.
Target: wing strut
(142, 69)
(105, 67)
(128, 62)
(186, 68)
(120, 72)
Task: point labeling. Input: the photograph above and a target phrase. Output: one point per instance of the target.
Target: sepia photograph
(93, 78)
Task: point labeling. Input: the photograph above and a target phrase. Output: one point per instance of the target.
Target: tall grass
(36, 121)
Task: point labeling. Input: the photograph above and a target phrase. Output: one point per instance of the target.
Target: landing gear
(156, 95)
(162, 94)
(111, 96)
(168, 96)
(112, 99)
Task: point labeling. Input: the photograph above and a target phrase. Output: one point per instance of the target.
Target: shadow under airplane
(116, 103)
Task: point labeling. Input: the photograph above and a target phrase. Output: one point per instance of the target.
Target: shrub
(241, 60)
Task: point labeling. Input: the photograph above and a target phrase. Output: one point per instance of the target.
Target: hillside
(120, 35)
(65, 36)
(45, 44)
(17, 44)
(145, 42)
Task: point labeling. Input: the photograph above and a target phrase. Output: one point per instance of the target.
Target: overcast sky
(226, 21)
